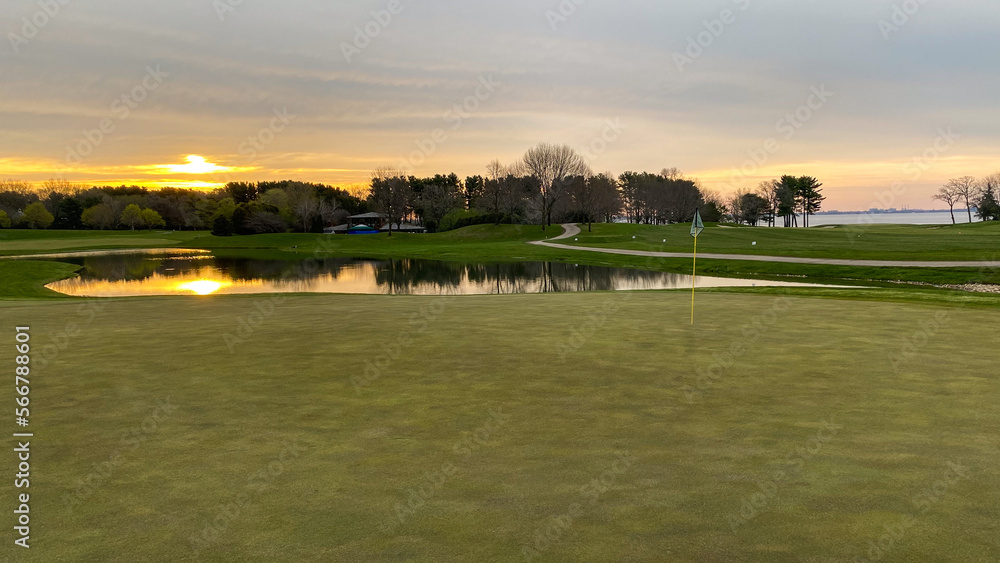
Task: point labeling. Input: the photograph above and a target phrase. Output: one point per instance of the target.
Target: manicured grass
(27, 278)
(977, 241)
(575, 391)
(19, 242)
(487, 243)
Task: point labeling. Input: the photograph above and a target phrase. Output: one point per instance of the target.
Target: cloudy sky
(867, 95)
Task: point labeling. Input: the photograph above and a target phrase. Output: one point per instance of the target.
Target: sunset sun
(196, 165)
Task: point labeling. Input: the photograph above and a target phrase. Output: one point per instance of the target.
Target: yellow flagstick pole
(694, 271)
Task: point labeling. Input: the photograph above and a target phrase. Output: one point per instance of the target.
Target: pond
(168, 273)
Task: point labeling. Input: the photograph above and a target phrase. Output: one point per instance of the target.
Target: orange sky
(125, 94)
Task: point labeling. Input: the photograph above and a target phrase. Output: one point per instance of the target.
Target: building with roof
(363, 224)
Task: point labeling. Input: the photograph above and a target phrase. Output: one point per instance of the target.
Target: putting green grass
(575, 389)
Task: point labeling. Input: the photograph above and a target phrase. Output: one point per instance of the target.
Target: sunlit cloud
(221, 93)
(196, 165)
(853, 173)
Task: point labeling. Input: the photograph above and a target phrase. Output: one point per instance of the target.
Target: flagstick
(694, 271)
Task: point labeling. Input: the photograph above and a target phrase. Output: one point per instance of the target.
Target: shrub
(222, 226)
(37, 217)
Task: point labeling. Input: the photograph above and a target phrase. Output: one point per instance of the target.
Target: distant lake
(121, 275)
(932, 218)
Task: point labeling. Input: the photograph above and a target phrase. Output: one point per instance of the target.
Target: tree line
(236, 208)
(549, 184)
(982, 194)
(553, 183)
(785, 198)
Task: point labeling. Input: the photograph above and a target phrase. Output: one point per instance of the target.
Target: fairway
(586, 427)
(976, 241)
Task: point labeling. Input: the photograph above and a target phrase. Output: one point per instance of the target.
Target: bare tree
(672, 173)
(494, 187)
(16, 186)
(329, 209)
(770, 190)
(966, 188)
(390, 194)
(303, 206)
(549, 164)
(60, 186)
(950, 196)
(734, 205)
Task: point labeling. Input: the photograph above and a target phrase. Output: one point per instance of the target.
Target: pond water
(134, 274)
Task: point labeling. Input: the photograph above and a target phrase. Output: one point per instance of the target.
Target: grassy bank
(826, 391)
(27, 278)
(487, 243)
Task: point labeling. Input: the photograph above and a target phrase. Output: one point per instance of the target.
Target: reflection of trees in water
(125, 267)
(407, 276)
(398, 277)
(503, 278)
(403, 277)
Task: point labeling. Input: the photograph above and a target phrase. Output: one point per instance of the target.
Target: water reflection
(133, 275)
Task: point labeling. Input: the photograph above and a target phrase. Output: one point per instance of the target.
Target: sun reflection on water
(202, 287)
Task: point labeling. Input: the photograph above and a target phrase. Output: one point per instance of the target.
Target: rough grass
(765, 381)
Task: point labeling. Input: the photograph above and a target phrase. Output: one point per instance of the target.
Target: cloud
(606, 60)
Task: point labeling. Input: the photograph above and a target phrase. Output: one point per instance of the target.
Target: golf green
(571, 427)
